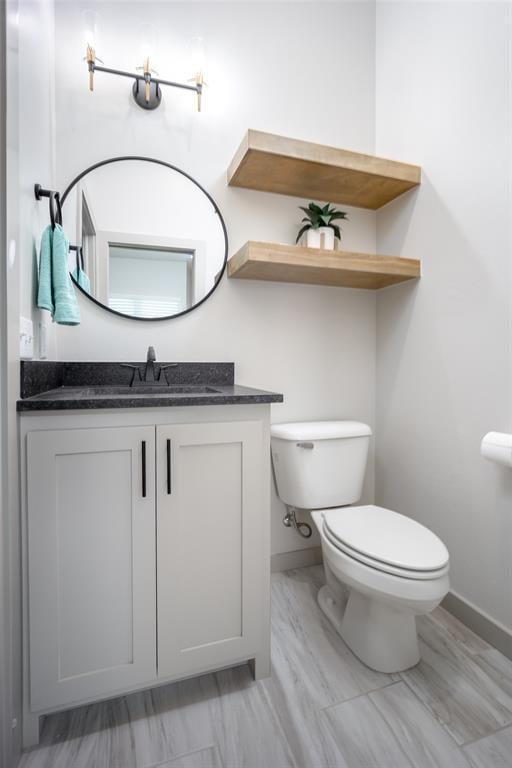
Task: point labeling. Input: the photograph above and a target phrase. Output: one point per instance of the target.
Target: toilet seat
(403, 573)
(387, 541)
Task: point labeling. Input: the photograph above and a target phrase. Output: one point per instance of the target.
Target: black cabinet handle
(169, 467)
(143, 469)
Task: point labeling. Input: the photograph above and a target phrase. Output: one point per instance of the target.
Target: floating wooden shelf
(295, 264)
(271, 163)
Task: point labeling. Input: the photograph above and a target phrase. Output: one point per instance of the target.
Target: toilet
(382, 568)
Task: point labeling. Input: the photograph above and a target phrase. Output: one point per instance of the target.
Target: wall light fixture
(146, 86)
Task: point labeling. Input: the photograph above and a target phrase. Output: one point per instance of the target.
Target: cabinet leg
(30, 734)
(260, 666)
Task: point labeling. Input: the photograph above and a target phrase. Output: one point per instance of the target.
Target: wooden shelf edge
(272, 163)
(298, 149)
(296, 264)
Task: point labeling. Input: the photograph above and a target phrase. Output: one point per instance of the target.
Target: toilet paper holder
(497, 446)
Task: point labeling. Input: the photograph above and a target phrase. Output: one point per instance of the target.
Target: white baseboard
(490, 630)
(298, 558)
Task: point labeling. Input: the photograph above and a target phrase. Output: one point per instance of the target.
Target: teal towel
(56, 292)
(82, 279)
(44, 293)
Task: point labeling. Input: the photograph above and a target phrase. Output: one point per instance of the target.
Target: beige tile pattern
(321, 708)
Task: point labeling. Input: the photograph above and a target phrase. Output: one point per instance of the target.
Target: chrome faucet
(149, 374)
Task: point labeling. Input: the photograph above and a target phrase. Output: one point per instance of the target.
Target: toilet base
(381, 636)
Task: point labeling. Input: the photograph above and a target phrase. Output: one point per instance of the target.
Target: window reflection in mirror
(150, 282)
(152, 242)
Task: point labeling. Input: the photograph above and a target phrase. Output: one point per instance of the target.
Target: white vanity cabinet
(209, 544)
(91, 562)
(146, 539)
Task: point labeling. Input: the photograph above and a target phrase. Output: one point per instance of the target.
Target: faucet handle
(134, 369)
(163, 368)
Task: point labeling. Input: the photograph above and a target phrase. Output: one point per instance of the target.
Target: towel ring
(52, 209)
(59, 208)
(54, 203)
(79, 257)
(55, 209)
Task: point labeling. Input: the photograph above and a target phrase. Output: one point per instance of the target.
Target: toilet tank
(319, 464)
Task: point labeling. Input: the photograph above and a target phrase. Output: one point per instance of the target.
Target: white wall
(37, 156)
(445, 347)
(30, 114)
(271, 67)
(6, 688)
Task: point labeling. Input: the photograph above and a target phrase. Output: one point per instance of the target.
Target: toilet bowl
(382, 568)
(372, 602)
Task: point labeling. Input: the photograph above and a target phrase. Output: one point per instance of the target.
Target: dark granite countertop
(65, 398)
(49, 386)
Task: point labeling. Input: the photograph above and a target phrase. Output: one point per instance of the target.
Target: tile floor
(320, 708)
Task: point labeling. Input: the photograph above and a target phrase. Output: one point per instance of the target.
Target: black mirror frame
(203, 190)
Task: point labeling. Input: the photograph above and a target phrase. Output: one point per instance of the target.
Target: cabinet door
(210, 545)
(92, 571)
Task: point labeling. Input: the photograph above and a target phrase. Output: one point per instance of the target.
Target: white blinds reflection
(145, 306)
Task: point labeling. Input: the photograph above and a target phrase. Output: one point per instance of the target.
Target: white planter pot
(323, 237)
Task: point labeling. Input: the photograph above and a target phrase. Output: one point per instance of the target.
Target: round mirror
(146, 240)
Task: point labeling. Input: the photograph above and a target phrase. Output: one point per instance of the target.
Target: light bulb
(90, 34)
(198, 64)
(197, 57)
(90, 29)
(148, 42)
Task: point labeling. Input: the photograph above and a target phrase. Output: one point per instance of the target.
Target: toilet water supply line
(290, 520)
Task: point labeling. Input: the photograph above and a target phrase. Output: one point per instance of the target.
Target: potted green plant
(318, 227)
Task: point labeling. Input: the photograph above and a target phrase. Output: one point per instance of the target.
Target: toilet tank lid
(319, 430)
